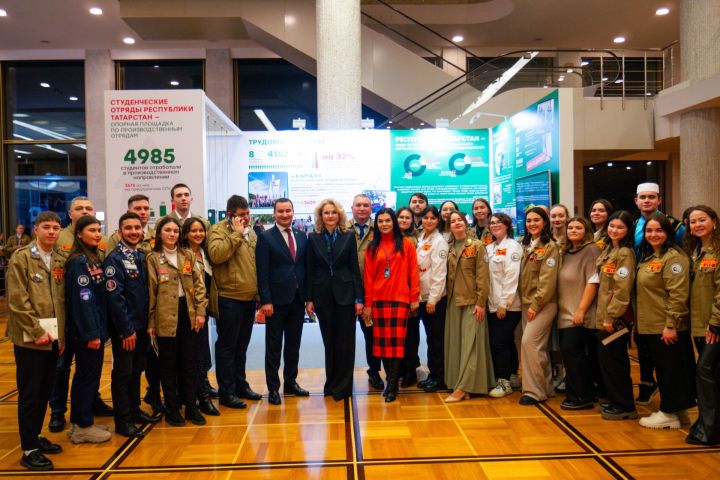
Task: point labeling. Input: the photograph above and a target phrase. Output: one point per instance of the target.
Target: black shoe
(274, 397)
(409, 379)
(576, 405)
(232, 401)
(423, 383)
(249, 394)
(646, 393)
(47, 447)
(614, 413)
(296, 389)
(375, 381)
(212, 391)
(434, 386)
(57, 422)
(102, 409)
(174, 418)
(142, 417)
(129, 430)
(604, 405)
(192, 414)
(693, 440)
(208, 408)
(528, 400)
(36, 461)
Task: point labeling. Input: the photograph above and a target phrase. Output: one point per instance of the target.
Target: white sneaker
(660, 420)
(684, 417)
(515, 382)
(502, 389)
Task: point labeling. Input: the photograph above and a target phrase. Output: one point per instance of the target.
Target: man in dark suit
(280, 262)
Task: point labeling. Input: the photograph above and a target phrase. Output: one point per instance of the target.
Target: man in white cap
(648, 200)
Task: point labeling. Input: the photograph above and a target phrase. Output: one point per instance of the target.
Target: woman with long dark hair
(600, 211)
(333, 290)
(616, 269)
(662, 286)
(481, 212)
(577, 288)
(392, 291)
(85, 301)
(176, 316)
(193, 237)
(468, 361)
(538, 296)
(702, 242)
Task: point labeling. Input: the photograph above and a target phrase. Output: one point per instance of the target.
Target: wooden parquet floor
(418, 437)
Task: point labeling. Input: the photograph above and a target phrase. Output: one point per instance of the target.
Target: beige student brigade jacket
(163, 279)
(705, 292)
(538, 275)
(34, 292)
(663, 286)
(616, 268)
(468, 280)
(233, 262)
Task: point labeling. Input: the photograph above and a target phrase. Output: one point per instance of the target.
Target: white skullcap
(648, 187)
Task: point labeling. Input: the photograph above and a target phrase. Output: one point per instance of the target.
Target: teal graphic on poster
(443, 164)
(526, 144)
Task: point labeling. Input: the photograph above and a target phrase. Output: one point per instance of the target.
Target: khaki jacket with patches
(616, 268)
(64, 244)
(468, 280)
(662, 291)
(705, 292)
(233, 262)
(163, 279)
(34, 292)
(538, 275)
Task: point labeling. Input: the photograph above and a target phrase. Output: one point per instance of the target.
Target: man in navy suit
(280, 262)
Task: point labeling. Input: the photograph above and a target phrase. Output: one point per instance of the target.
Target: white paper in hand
(50, 325)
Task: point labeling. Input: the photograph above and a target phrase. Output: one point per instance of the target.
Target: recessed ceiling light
(44, 84)
(458, 38)
(96, 11)
(648, 163)
(156, 66)
(662, 11)
(3, 12)
(174, 83)
(610, 164)
(73, 99)
(561, 78)
(605, 79)
(569, 70)
(584, 63)
(591, 168)
(20, 115)
(648, 94)
(619, 80)
(619, 40)
(628, 168)
(129, 40)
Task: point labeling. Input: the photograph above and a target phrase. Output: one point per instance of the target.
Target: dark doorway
(617, 182)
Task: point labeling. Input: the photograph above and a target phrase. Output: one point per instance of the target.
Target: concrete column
(99, 76)
(219, 79)
(339, 93)
(699, 128)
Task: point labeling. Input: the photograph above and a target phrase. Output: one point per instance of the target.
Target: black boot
(392, 380)
(206, 405)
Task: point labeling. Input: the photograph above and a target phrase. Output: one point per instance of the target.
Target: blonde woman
(334, 292)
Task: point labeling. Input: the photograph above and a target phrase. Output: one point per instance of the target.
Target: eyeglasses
(495, 224)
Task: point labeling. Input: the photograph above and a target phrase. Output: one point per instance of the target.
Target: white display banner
(308, 166)
(154, 139)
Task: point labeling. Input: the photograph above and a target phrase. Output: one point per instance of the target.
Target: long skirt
(468, 361)
(389, 327)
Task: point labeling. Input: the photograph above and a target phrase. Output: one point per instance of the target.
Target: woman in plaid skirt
(392, 290)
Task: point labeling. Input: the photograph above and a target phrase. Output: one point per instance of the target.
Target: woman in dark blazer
(334, 291)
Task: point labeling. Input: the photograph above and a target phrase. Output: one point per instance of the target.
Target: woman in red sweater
(392, 290)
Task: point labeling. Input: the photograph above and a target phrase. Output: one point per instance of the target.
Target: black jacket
(340, 280)
(126, 283)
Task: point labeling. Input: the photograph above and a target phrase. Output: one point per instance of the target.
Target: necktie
(291, 242)
(362, 230)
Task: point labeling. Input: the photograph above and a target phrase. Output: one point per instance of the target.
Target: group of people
(576, 287)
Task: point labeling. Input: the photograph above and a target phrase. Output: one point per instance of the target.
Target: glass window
(45, 177)
(160, 74)
(44, 100)
(282, 92)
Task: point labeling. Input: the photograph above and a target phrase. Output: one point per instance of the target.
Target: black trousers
(285, 323)
(372, 361)
(152, 375)
(85, 382)
(128, 366)
(178, 360)
(204, 356)
(234, 329)
(502, 343)
(34, 374)
(412, 345)
(645, 358)
(337, 327)
(699, 345)
(615, 369)
(434, 325)
(574, 345)
(675, 367)
(707, 426)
